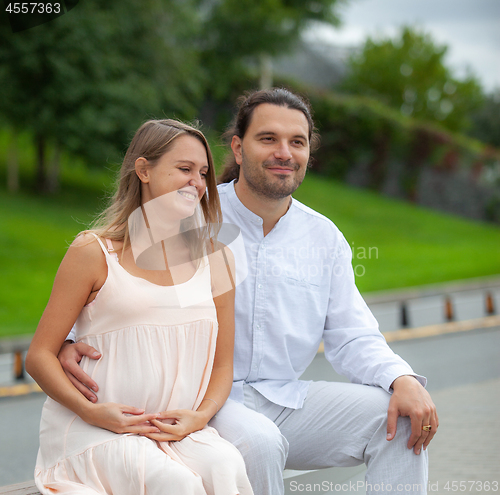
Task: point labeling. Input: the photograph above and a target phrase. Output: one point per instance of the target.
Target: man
(299, 290)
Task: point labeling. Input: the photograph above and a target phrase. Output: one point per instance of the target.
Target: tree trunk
(54, 170)
(266, 71)
(12, 165)
(41, 173)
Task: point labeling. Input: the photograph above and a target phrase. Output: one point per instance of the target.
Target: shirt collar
(240, 207)
(243, 210)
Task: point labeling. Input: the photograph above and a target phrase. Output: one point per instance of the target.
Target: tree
(83, 81)
(239, 32)
(409, 73)
(486, 120)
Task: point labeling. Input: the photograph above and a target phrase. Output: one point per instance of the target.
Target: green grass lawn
(35, 232)
(395, 244)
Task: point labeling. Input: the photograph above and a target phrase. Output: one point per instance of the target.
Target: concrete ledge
(292, 473)
(26, 488)
(340, 477)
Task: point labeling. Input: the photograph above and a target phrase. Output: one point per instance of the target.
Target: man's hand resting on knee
(69, 356)
(410, 398)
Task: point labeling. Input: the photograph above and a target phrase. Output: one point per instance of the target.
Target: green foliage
(357, 130)
(239, 31)
(85, 80)
(408, 73)
(88, 78)
(369, 144)
(486, 121)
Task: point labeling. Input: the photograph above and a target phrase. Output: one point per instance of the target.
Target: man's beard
(280, 188)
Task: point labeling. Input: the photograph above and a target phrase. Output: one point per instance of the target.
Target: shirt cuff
(391, 375)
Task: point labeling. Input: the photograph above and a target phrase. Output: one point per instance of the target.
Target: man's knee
(260, 442)
(261, 436)
(250, 432)
(267, 438)
(377, 398)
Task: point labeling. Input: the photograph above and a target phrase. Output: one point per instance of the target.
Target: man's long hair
(246, 105)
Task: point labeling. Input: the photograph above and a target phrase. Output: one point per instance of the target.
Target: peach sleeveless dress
(157, 354)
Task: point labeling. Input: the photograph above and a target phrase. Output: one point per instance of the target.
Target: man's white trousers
(340, 424)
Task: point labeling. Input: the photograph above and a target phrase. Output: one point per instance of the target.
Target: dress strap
(100, 243)
(111, 250)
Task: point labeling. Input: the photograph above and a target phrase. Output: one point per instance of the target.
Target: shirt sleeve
(72, 334)
(353, 343)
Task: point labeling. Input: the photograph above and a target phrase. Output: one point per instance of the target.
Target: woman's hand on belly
(120, 418)
(175, 425)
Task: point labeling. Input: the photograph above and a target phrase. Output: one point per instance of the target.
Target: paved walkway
(467, 446)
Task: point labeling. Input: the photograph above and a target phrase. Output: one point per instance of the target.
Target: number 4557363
(33, 8)
(471, 486)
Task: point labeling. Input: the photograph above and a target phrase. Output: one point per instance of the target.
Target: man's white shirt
(299, 290)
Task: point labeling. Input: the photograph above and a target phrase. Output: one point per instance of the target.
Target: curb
(21, 389)
(435, 330)
(442, 329)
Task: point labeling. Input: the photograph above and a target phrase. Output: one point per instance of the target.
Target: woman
(140, 286)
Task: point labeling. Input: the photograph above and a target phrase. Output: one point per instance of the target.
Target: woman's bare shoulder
(87, 249)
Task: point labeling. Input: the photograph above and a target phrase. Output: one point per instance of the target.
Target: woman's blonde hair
(151, 141)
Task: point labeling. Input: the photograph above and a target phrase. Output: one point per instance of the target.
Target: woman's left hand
(175, 425)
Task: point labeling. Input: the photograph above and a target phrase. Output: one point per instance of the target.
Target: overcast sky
(470, 28)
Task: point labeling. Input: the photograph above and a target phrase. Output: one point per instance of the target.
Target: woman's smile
(188, 195)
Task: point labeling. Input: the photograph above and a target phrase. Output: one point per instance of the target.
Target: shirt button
(260, 286)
